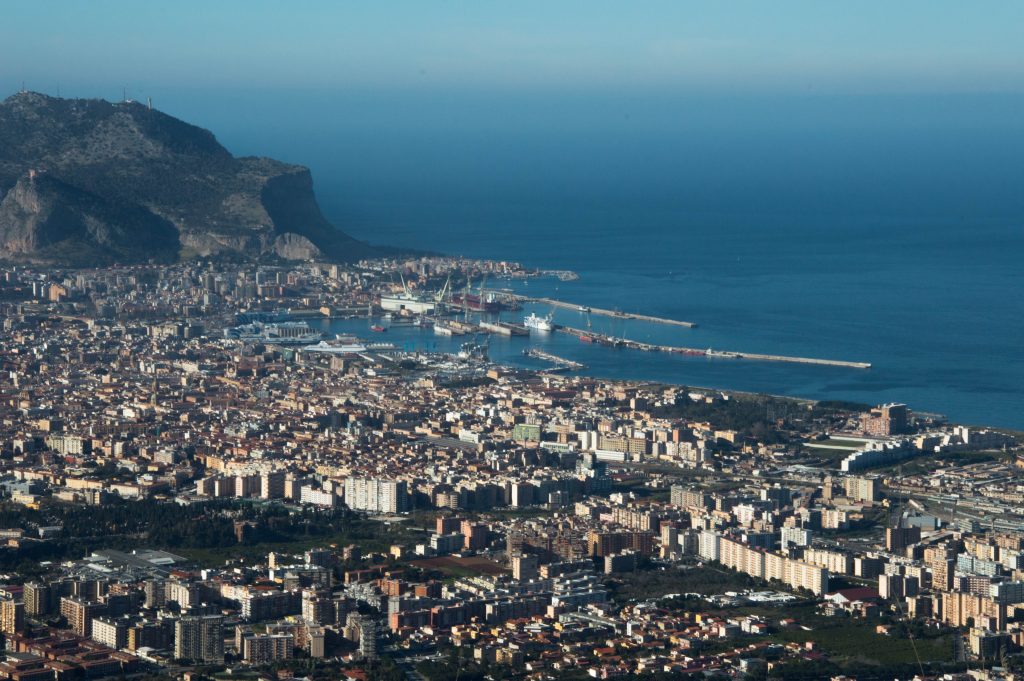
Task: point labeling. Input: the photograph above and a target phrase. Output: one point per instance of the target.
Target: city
(198, 482)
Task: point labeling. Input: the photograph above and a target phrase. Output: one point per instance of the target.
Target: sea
(875, 228)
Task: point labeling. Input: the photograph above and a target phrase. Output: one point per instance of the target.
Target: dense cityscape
(199, 483)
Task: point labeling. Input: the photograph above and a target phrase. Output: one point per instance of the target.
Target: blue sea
(886, 228)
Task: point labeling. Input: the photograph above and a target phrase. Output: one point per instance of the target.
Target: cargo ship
(475, 303)
(538, 323)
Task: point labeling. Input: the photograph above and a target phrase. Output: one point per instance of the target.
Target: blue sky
(95, 48)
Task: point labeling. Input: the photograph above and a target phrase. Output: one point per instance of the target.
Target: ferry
(538, 323)
(283, 333)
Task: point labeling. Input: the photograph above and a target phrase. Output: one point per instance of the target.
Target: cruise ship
(282, 333)
(538, 323)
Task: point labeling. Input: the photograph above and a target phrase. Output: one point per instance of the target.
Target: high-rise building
(199, 638)
(12, 616)
(316, 641)
(368, 637)
(111, 631)
(155, 592)
(317, 607)
(319, 557)
(861, 489)
(267, 648)
(898, 538)
(272, 485)
(475, 534)
(185, 594)
(689, 498)
(38, 599)
(377, 496)
(886, 419)
(524, 567)
(80, 613)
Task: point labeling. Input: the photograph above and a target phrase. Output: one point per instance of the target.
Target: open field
(461, 567)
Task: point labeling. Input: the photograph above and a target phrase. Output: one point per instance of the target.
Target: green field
(857, 641)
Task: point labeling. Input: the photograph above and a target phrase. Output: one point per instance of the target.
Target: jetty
(560, 362)
(610, 341)
(616, 314)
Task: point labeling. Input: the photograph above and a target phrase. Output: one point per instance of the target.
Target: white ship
(407, 301)
(534, 321)
(283, 333)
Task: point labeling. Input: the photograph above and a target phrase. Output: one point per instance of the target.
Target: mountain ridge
(111, 176)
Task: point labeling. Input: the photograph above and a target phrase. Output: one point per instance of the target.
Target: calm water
(888, 229)
(933, 316)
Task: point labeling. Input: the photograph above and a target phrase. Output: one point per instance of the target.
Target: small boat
(378, 328)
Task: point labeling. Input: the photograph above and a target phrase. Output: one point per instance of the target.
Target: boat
(609, 341)
(378, 328)
(538, 323)
(412, 302)
(282, 333)
(476, 303)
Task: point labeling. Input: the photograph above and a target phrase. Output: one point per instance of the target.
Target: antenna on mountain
(149, 100)
(23, 87)
(124, 94)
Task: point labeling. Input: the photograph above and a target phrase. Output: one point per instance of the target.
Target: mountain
(86, 181)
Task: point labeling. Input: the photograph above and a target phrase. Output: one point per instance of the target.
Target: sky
(157, 48)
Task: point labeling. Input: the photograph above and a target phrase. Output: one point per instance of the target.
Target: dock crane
(440, 294)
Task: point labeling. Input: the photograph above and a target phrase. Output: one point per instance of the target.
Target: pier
(606, 313)
(560, 362)
(590, 336)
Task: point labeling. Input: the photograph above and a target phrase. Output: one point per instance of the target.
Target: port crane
(440, 294)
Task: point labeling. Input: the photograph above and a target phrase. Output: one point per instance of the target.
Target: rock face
(90, 182)
(46, 218)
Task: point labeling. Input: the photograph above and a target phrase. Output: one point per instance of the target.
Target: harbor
(429, 315)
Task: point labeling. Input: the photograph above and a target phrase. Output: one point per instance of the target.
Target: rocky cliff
(91, 182)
